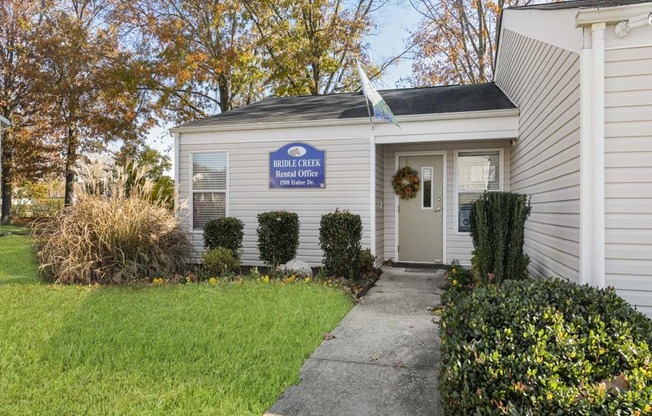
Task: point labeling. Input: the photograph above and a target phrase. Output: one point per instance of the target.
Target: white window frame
(432, 188)
(456, 193)
(191, 191)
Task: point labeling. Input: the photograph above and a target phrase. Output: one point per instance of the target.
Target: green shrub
(366, 262)
(221, 261)
(459, 281)
(109, 237)
(278, 236)
(544, 347)
(224, 232)
(497, 227)
(340, 233)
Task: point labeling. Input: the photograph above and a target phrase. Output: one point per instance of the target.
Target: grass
(227, 349)
(14, 229)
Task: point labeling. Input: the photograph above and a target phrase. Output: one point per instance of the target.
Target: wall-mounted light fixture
(623, 28)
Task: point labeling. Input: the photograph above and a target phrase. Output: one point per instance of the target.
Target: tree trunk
(5, 218)
(5, 215)
(223, 87)
(71, 160)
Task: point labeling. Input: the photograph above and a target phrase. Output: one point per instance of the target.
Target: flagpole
(371, 120)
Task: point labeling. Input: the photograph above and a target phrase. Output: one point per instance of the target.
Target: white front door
(421, 219)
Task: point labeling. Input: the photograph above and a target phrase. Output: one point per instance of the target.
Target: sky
(393, 24)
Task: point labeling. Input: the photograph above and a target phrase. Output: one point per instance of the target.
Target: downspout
(372, 195)
(592, 159)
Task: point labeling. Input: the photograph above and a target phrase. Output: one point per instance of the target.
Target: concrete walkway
(383, 359)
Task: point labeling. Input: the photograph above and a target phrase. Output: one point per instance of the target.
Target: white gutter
(4, 122)
(511, 112)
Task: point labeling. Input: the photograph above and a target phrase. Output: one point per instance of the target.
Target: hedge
(544, 347)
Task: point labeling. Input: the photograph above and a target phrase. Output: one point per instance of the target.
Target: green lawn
(228, 349)
(13, 229)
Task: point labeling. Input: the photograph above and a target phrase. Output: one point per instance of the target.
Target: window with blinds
(209, 177)
(477, 172)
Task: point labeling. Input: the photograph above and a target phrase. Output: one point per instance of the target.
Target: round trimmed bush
(340, 233)
(224, 232)
(278, 236)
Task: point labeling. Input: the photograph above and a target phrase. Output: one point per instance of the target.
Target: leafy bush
(459, 281)
(224, 232)
(278, 236)
(366, 262)
(221, 261)
(497, 227)
(340, 233)
(109, 237)
(544, 347)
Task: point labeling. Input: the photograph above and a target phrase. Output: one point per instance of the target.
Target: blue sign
(297, 165)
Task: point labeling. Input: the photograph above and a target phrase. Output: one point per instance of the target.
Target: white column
(598, 200)
(372, 193)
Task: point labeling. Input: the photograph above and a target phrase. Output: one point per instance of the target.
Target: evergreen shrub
(497, 223)
(224, 232)
(544, 347)
(340, 233)
(278, 236)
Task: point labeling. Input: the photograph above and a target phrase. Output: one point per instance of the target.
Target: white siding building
(568, 121)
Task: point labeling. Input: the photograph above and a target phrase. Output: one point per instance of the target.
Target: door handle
(438, 209)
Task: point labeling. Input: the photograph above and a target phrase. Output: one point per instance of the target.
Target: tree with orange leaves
(91, 84)
(455, 42)
(26, 153)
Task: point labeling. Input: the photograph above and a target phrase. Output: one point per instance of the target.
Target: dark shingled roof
(580, 4)
(407, 101)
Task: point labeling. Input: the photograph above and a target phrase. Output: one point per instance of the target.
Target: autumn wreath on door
(406, 182)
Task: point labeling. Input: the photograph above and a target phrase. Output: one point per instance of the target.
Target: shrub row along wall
(340, 233)
(543, 347)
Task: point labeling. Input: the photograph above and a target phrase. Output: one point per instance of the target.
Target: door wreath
(406, 182)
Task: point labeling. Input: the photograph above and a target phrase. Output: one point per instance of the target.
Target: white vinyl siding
(458, 246)
(347, 186)
(209, 184)
(544, 82)
(628, 174)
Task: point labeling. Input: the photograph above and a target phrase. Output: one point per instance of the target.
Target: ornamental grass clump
(112, 233)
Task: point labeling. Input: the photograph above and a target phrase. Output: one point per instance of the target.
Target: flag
(381, 109)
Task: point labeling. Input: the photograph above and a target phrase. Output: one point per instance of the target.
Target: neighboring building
(567, 121)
